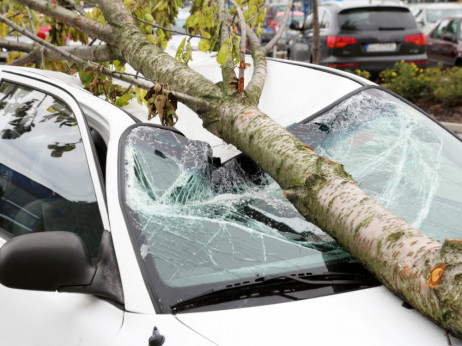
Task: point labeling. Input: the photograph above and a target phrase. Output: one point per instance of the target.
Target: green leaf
(225, 52)
(204, 45)
(85, 78)
(124, 99)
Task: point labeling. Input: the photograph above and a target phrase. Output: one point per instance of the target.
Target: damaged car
(115, 231)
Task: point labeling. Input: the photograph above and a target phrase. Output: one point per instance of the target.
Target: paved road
(456, 128)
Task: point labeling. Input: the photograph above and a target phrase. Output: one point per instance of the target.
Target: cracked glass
(399, 156)
(198, 225)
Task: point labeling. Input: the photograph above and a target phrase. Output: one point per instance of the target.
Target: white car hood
(366, 317)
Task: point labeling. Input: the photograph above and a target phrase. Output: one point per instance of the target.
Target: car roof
(343, 5)
(284, 100)
(438, 5)
(295, 13)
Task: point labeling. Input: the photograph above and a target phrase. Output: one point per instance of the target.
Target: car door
(437, 46)
(300, 46)
(49, 181)
(449, 43)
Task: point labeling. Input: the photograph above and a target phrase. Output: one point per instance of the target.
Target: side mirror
(45, 261)
(295, 25)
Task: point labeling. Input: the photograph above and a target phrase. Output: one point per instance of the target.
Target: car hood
(366, 317)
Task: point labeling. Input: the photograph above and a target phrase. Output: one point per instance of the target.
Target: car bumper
(374, 64)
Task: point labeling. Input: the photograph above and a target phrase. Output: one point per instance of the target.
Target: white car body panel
(56, 319)
(366, 317)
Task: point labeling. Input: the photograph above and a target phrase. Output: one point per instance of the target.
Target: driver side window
(45, 183)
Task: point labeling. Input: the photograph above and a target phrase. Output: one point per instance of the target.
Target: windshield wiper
(280, 285)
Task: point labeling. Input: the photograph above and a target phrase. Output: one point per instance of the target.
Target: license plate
(380, 47)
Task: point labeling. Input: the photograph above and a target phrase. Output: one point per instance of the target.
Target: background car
(148, 236)
(444, 42)
(427, 14)
(370, 36)
(281, 46)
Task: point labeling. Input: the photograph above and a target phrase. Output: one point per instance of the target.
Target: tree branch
(240, 85)
(32, 27)
(90, 53)
(256, 15)
(77, 7)
(282, 27)
(255, 86)
(149, 59)
(82, 23)
(227, 70)
(82, 63)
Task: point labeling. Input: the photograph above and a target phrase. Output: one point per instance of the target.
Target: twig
(31, 23)
(169, 30)
(256, 15)
(82, 63)
(240, 85)
(278, 35)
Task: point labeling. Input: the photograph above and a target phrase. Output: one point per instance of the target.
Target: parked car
(363, 35)
(427, 14)
(287, 35)
(444, 42)
(273, 9)
(116, 232)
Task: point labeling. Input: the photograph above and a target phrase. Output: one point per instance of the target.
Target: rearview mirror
(45, 261)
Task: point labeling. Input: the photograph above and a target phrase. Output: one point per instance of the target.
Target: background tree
(424, 272)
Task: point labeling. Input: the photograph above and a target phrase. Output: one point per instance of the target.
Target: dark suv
(361, 35)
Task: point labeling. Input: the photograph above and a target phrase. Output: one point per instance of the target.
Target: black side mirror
(45, 261)
(295, 25)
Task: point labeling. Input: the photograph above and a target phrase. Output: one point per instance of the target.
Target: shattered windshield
(398, 156)
(203, 226)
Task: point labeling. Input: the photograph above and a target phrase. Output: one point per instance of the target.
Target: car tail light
(417, 62)
(417, 39)
(346, 64)
(339, 41)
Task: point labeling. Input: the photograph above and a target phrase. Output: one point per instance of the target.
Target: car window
(309, 22)
(460, 30)
(434, 14)
(197, 227)
(45, 183)
(451, 31)
(323, 23)
(399, 156)
(380, 18)
(417, 12)
(438, 32)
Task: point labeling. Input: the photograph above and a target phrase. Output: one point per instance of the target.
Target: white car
(160, 238)
(428, 13)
